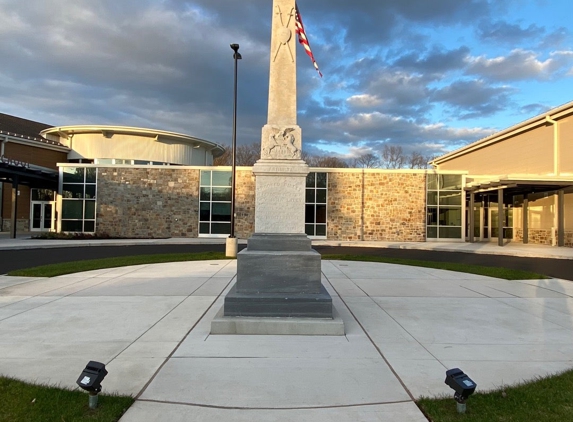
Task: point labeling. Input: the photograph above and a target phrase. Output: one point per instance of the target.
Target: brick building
(132, 182)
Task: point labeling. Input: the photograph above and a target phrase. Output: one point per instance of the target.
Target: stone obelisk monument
(279, 274)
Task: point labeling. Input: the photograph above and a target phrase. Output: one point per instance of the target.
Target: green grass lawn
(23, 402)
(53, 270)
(546, 400)
(497, 272)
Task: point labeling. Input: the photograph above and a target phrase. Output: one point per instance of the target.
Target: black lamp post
(237, 57)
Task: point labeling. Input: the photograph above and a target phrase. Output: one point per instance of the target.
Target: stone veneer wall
(377, 206)
(22, 225)
(148, 202)
(344, 208)
(542, 237)
(164, 202)
(395, 207)
(244, 204)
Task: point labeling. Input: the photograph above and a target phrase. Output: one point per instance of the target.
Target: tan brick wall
(22, 225)
(148, 202)
(158, 203)
(344, 210)
(542, 237)
(155, 203)
(244, 204)
(394, 206)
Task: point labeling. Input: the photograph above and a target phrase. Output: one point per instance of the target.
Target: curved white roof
(65, 131)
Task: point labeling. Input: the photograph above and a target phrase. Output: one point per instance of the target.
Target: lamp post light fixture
(231, 245)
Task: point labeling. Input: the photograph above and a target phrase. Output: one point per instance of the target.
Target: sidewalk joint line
(137, 397)
(375, 345)
(212, 406)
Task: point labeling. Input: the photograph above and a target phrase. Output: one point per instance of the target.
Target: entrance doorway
(507, 220)
(486, 222)
(42, 210)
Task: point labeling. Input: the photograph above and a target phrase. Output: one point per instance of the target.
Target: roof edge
(499, 136)
(70, 130)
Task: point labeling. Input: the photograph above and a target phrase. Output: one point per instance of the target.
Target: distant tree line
(391, 157)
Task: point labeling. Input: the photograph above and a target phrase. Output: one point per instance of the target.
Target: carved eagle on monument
(281, 144)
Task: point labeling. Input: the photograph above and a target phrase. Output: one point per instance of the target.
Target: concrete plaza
(405, 326)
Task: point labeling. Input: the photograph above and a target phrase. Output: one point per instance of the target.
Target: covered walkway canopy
(507, 186)
(21, 173)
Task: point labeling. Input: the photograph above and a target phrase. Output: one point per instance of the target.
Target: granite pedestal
(278, 275)
(278, 291)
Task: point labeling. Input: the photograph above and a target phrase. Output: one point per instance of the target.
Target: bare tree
(369, 160)
(225, 158)
(416, 161)
(330, 162)
(247, 155)
(393, 157)
(306, 157)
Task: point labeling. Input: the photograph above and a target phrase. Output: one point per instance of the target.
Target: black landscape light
(90, 380)
(462, 385)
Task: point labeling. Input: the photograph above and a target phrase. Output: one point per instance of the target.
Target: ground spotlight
(462, 385)
(90, 380)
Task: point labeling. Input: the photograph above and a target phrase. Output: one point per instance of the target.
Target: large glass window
(215, 203)
(315, 203)
(444, 206)
(78, 199)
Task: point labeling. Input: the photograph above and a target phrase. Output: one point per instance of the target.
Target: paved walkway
(405, 326)
(24, 241)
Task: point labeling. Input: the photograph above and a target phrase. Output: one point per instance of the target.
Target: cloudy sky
(429, 76)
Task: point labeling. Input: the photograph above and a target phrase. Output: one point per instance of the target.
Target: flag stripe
(303, 40)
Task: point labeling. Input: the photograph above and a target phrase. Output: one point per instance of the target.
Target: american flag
(303, 40)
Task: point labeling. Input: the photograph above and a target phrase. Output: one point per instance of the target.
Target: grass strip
(497, 272)
(24, 402)
(53, 270)
(544, 400)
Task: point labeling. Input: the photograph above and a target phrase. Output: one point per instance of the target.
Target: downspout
(4, 142)
(556, 164)
(362, 203)
(556, 172)
(2, 150)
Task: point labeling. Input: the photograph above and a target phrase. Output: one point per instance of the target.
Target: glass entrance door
(507, 222)
(42, 216)
(42, 210)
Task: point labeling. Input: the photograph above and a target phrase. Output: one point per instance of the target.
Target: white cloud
(441, 131)
(391, 74)
(518, 65)
(364, 101)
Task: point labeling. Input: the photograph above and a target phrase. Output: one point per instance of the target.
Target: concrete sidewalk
(24, 241)
(405, 326)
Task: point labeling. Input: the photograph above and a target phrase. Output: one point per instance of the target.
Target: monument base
(288, 305)
(278, 277)
(277, 326)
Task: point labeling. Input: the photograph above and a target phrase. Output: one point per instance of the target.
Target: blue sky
(427, 76)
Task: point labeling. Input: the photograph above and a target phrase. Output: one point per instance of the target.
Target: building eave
(539, 120)
(32, 141)
(109, 131)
